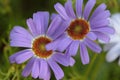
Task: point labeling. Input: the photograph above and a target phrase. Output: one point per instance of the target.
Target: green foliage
(15, 12)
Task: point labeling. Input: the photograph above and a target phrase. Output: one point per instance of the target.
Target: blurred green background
(15, 12)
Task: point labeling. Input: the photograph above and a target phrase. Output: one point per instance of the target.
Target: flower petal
(115, 38)
(73, 48)
(91, 36)
(102, 16)
(115, 20)
(61, 10)
(64, 44)
(35, 69)
(20, 44)
(24, 57)
(101, 36)
(106, 30)
(98, 10)
(46, 20)
(48, 75)
(27, 70)
(109, 46)
(43, 69)
(31, 26)
(59, 74)
(84, 54)
(114, 53)
(53, 16)
(53, 45)
(41, 21)
(61, 59)
(55, 24)
(116, 17)
(68, 56)
(99, 23)
(72, 61)
(69, 9)
(89, 6)
(79, 7)
(20, 37)
(12, 57)
(59, 32)
(92, 45)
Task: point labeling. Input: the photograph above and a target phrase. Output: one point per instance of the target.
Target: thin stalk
(89, 67)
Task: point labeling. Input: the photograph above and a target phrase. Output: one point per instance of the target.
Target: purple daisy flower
(35, 40)
(81, 29)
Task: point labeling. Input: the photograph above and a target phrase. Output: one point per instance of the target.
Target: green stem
(90, 67)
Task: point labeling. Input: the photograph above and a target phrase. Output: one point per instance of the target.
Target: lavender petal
(89, 6)
(84, 54)
(59, 74)
(27, 70)
(69, 9)
(79, 7)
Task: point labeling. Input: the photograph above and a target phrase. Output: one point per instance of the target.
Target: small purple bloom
(41, 61)
(81, 30)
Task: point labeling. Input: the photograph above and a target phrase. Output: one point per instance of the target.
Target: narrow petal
(55, 24)
(106, 30)
(31, 26)
(69, 9)
(84, 54)
(100, 23)
(43, 69)
(61, 59)
(53, 45)
(61, 10)
(27, 70)
(35, 69)
(20, 37)
(53, 16)
(73, 48)
(98, 10)
(12, 57)
(41, 21)
(101, 16)
(24, 57)
(79, 7)
(59, 74)
(48, 75)
(114, 53)
(64, 44)
(93, 46)
(72, 61)
(46, 20)
(91, 36)
(60, 30)
(20, 44)
(68, 56)
(88, 8)
(101, 36)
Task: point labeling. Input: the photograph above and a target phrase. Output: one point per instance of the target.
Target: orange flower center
(78, 29)
(39, 47)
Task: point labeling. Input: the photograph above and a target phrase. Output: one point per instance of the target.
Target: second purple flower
(81, 29)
